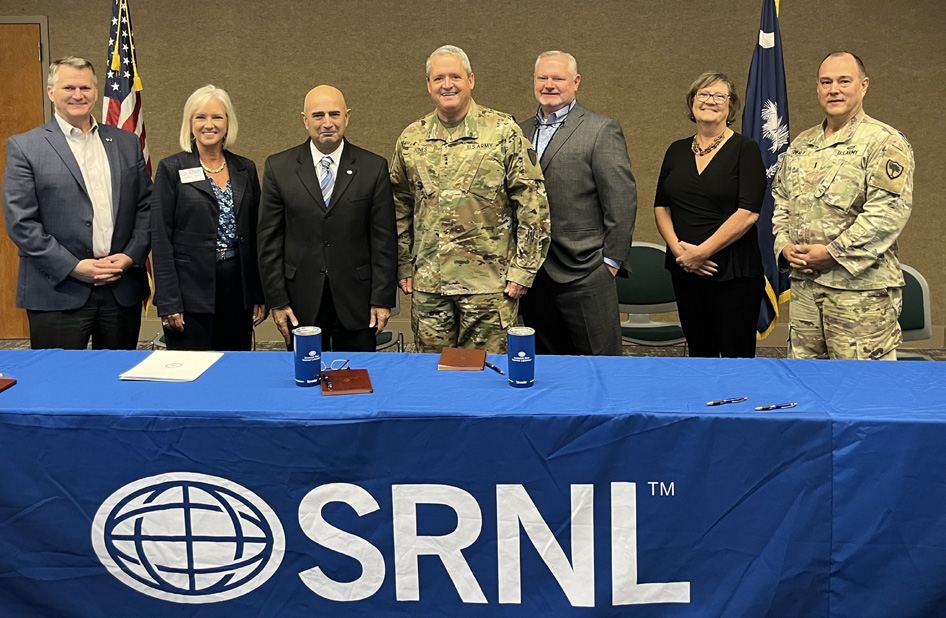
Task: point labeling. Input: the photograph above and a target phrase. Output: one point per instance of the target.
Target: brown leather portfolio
(6, 383)
(346, 382)
(461, 359)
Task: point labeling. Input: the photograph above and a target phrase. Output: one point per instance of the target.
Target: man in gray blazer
(573, 303)
(76, 204)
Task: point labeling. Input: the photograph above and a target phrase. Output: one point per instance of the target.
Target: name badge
(193, 174)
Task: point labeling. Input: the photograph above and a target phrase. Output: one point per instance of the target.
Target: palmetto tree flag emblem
(765, 119)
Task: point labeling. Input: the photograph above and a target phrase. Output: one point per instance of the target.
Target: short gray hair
(451, 50)
(572, 63)
(70, 61)
(198, 99)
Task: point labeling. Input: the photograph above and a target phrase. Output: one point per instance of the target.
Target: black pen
(720, 402)
(495, 368)
(775, 406)
(328, 381)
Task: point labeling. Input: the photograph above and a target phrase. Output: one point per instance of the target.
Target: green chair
(390, 338)
(915, 316)
(648, 290)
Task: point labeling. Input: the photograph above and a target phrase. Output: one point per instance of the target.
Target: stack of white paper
(168, 366)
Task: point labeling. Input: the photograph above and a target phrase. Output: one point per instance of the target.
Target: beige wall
(636, 58)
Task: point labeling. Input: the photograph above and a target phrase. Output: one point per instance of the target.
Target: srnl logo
(193, 538)
(188, 538)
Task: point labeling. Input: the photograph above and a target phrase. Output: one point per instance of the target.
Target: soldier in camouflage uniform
(472, 215)
(842, 196)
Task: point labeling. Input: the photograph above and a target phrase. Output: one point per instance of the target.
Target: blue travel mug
(307, 347)
(520, 343)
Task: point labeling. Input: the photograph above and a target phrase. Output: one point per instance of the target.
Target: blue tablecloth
(608, 489)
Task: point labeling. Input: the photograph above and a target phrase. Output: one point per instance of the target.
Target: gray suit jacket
(48, 214)
(592, 193)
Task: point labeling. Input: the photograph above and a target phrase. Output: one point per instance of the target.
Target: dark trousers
(578, 318)
(719, 317)
(108, 324)
(229, 327)
(335, 337)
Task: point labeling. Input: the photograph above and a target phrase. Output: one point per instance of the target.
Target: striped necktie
(328, 182)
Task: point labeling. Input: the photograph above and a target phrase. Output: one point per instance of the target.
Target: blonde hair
(198, 99)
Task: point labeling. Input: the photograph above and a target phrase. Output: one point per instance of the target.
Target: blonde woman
(204, 216)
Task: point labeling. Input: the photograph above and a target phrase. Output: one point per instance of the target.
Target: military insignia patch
(894, 169)
(533, 156)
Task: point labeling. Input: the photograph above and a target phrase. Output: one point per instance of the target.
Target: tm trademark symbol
(664, 489)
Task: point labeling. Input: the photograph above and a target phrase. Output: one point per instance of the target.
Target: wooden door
(24, 100)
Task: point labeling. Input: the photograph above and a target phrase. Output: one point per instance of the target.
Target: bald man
(327, 236)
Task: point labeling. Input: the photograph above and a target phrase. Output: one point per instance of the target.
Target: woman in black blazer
(203, 225)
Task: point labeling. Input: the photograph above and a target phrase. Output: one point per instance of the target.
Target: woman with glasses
(204, 214)
(709, 195)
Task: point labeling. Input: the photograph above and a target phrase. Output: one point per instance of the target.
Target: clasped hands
(691, 260)
(809, 259)
(102, 271)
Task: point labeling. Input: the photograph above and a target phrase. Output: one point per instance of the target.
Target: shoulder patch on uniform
(894, 169)
(891, 174)
(533, 156)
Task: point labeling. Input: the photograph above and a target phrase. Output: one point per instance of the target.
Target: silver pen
(776, 406)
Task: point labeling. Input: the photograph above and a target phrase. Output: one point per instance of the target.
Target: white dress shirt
(317, 156)
(89, 152)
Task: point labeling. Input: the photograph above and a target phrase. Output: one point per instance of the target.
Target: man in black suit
(573, 303)
(76, 197)
(327, 239)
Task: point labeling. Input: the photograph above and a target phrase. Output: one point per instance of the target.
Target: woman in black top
(709, 196)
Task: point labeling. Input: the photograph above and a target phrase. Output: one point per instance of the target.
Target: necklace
(222, 165)
(695, 147)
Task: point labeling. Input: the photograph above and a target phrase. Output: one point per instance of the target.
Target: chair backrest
(396, 309)
(915, 320)
(648, 289)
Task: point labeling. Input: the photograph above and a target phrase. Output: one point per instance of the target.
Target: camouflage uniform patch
(853, 193)
(461, 321)
(844, 324)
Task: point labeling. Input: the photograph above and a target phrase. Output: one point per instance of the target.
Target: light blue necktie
(328, 182)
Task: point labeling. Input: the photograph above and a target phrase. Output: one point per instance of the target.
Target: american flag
(121, 106)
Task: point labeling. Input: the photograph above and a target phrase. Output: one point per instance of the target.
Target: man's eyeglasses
(718, 97)
(336, 365)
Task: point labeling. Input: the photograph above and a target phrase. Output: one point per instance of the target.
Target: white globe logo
(188, 538)
(521, 354)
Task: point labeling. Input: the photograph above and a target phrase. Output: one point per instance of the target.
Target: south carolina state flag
(765, 119)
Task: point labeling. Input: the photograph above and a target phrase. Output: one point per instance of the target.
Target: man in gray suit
(76, 204)
(573, 303)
